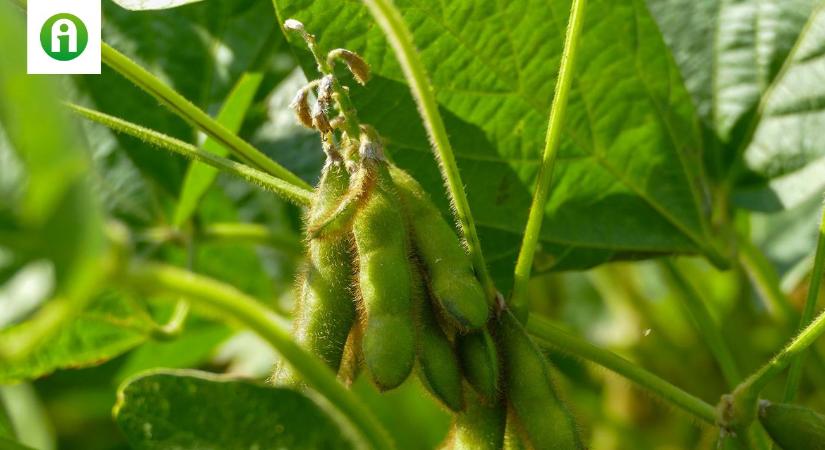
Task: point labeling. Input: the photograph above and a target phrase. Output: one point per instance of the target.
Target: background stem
(192, 114)
(795, 373)
(234, 304)
(401, 40)
(524, 264)
(290, 192)
(548, 333)
(703, 322)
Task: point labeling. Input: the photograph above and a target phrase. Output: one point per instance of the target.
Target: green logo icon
(64, 37)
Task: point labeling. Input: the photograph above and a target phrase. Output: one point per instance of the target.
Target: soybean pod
(438, 366)
(384, 274)
(793, 427)
(449, 269)
(325, 309)
(480, 364)
(544, 421)
(479, 427)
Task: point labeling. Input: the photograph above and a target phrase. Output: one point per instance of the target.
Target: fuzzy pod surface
(325, 309)
(542, 418)
(449, 269)
(480, 426)
(793, 427)
(384, 280)
(437, 362)
(480, 363)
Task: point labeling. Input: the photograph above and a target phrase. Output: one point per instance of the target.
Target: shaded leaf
(195, 410)
(109, 327)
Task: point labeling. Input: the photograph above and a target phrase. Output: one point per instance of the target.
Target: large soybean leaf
(109, 327)
(754, 70)
(627, 182)
(188, 410)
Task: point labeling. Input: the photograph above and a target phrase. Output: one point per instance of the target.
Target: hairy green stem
(298, 195)
(532, 231)
(703, 322)
(194, 115)
(754, 384)
(401, 40)
(234, 304)
(548, 333)
(795, 373)
(766, 281)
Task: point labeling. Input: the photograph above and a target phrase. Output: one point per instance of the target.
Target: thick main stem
(566, 342)
(518, 301)
(236, 305)
(795, 373)
(401, 40)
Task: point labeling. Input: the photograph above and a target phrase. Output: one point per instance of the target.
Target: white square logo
(63, 36)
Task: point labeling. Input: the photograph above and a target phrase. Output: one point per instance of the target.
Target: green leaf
(492, 64)
(9, 444)
(185, 410)
(754, 70)
(109, 327)
(200, 176)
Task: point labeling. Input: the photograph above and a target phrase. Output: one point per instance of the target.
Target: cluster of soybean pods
(388, 287)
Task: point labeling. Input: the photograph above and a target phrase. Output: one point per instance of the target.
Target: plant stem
(401, 40)
(234, 304)
(192, 114)
(532, 231)
(298, 195)
(227, 233)
(766, 281)
(545, 331)
(754, 384)
(703, 322)
(795, 373)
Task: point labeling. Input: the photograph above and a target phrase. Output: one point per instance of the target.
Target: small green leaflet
(200, 176)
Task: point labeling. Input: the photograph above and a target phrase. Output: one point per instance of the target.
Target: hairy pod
(384, 280)
(793, 427)
(449, 269)
(438, 366)
(480, 363)
(325, 310)
(542, 418)
(479, 427)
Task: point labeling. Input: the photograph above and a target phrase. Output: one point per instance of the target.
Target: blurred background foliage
(54, 202)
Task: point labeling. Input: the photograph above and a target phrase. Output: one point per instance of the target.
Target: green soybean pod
(479, 427)
(793, 427)
(325, 308)
(449, 269)
(437, 362)
(384, 280)
(544, 421)
(480, 364)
